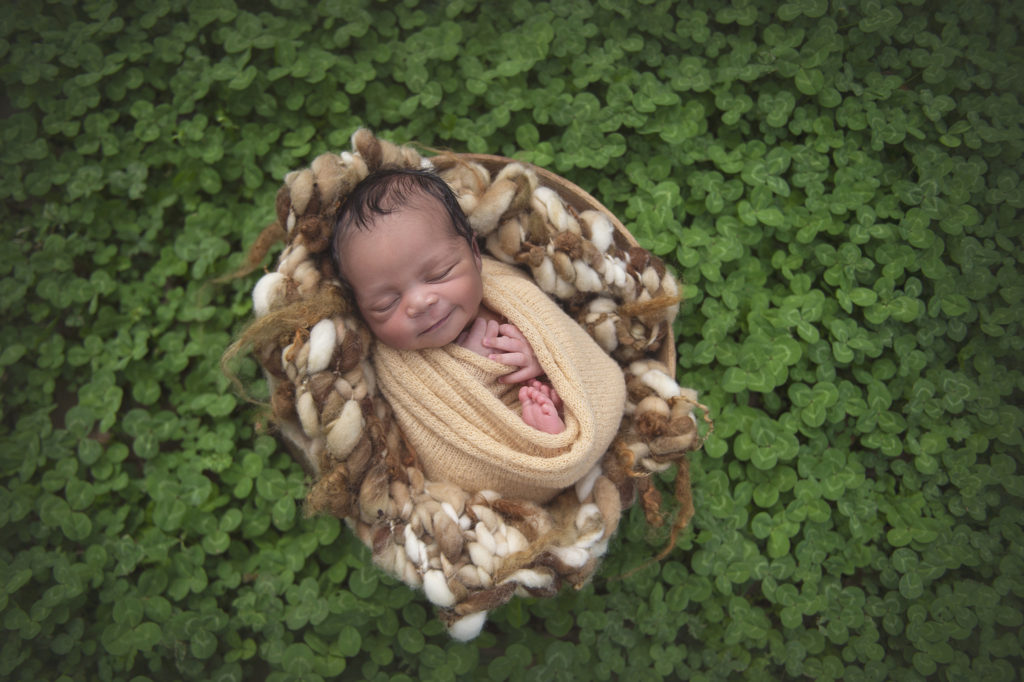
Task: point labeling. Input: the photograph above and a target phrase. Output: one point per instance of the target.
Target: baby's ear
(477, 258)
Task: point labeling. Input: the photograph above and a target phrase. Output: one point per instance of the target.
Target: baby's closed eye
(441, 275)
(384, 306)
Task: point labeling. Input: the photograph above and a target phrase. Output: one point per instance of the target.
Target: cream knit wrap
(466, 427)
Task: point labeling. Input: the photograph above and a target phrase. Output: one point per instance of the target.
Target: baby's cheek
(387, 332)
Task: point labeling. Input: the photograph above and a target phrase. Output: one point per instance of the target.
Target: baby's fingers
(518, 376)
(515, 359)
(512, 331)
(508, 345)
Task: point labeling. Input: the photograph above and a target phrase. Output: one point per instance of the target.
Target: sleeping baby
(493, 385)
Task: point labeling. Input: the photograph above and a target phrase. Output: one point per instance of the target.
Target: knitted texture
(468, 551)
(464, 432)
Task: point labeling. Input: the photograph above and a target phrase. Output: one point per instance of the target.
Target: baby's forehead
(420, 203)
(413, 216)
(414, 237)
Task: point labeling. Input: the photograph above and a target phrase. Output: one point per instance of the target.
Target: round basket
(469, 550)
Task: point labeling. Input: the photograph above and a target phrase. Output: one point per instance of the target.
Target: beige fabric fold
(466, 427)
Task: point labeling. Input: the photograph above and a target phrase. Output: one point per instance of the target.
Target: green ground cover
(837, 183)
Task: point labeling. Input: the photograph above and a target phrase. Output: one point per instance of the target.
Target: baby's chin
(421, 343)
(443, 341)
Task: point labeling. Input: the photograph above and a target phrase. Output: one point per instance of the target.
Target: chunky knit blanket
(470, 550)
(457, 417)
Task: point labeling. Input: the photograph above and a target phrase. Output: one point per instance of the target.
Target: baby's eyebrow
(368, 293)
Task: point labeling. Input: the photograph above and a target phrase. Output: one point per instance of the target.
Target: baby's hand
(516, 352)
(475, 337)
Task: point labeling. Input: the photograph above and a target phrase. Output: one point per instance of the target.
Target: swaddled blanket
(466, 428)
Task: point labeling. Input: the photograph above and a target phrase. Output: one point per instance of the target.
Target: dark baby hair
(388, 190)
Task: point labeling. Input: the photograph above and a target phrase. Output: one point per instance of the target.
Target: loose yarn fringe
(468, 551)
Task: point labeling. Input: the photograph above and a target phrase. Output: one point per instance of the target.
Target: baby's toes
(555, 398)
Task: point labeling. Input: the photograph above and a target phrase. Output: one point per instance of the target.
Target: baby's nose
(421, 303)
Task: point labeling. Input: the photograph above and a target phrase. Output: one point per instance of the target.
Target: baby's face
(416, 282)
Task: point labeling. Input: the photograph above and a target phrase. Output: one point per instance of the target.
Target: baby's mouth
(437, 325)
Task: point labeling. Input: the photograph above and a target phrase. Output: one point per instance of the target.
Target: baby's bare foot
(547, 390)
(539, 410)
